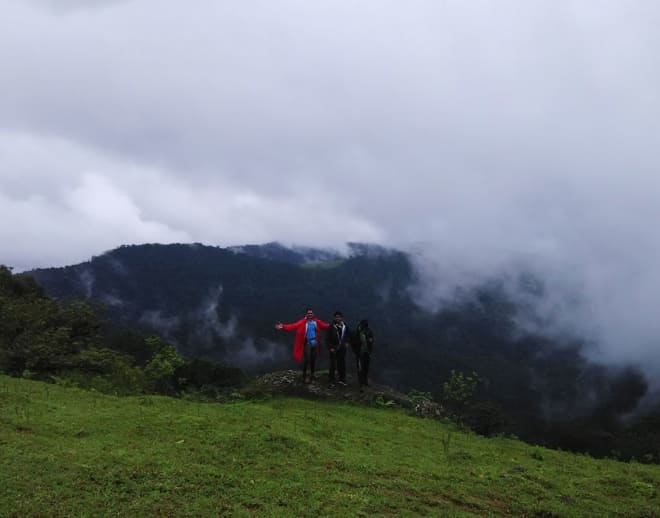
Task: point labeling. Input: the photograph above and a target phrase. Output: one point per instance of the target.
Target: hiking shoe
(342, 383)
(331, 385)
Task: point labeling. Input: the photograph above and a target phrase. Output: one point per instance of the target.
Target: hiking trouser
(363, 361)
(338, 364)
(309, 357)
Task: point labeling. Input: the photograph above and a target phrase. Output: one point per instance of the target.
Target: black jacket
(364, 341)
(335, 338)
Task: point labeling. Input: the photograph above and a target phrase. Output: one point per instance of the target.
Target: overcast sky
(484, 133)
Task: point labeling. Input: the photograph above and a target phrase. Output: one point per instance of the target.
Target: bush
(459, 389)
(159, 372)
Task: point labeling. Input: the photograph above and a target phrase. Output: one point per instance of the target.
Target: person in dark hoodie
(337, 339)
(363, 345)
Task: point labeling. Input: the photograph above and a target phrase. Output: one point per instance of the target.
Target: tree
(459, 390)
(159, 372)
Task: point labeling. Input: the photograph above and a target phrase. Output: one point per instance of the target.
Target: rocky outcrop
(291, 383)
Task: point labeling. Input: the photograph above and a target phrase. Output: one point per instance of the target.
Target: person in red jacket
(307, 340)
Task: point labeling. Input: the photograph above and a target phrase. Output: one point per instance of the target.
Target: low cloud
(163, 324)
(262, 355)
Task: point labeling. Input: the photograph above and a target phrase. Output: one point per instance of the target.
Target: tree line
(68, 342)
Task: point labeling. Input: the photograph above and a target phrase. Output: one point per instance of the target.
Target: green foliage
(101, 361)
(484, 417)
(380, 400)
(459, 389)
(41, 338)
(38, 334)
(70, 452)
(537, 453)
(419, 396)
(445, 441)
(15, 286)
(107, 371)
(130, 342)
(159, 372)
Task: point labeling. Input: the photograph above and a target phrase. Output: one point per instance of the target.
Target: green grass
(68, 452)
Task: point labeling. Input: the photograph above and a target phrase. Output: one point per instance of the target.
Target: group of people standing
(339, 337)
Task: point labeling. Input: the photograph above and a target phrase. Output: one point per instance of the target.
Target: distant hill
(307, 255)
(222, 303)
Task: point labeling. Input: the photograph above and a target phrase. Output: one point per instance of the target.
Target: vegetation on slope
(65, 451)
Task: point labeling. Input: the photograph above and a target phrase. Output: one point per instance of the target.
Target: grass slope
(68, 452)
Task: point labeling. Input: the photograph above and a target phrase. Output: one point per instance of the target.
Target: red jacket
(300, 328)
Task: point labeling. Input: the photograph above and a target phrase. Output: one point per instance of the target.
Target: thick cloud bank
(499, 135)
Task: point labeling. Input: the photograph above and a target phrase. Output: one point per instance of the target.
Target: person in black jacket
(363, 346)
(337, 339)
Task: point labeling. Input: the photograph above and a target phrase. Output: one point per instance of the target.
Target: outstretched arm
(289, 327)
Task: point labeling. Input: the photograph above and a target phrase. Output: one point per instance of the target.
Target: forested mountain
(222, 304)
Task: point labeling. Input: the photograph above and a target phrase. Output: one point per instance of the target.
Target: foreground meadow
(69, 452)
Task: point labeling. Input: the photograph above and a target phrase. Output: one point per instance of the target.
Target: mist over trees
(220, 305)
(68, 342)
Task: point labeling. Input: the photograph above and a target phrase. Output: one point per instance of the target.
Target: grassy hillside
(65, 452)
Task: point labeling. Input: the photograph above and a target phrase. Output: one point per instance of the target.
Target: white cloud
(62, 203)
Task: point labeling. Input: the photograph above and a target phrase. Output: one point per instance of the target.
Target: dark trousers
(309, 357)
(337, 363)
(363, 361)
